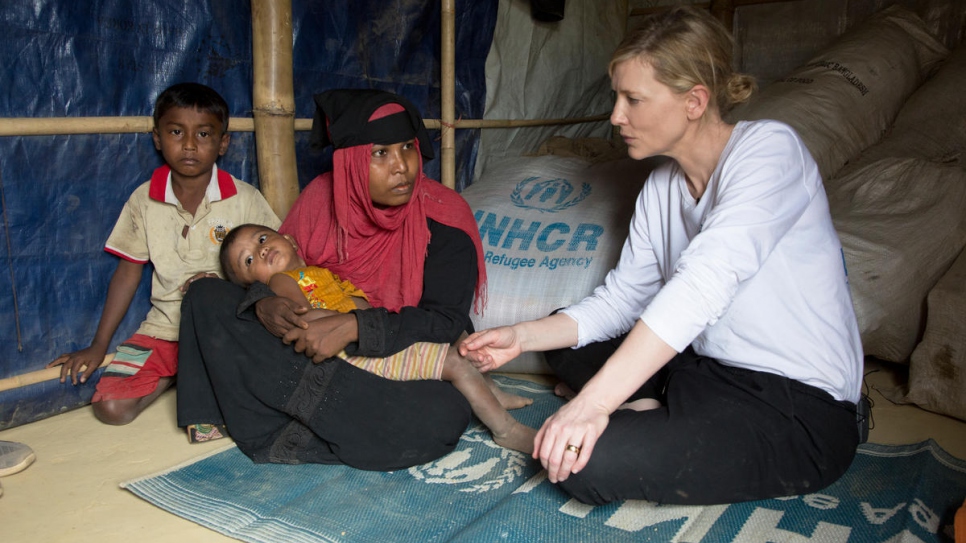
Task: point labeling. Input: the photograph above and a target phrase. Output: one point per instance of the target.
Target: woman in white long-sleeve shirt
(720, 361)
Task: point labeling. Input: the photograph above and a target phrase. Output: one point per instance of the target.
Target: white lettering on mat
(760, 526)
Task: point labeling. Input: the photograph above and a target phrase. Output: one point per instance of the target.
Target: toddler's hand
(490, 349)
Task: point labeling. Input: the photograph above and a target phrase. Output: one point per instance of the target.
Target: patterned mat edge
(909, 449)
(184, 464)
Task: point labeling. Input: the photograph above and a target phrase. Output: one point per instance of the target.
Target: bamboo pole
(635, 12)
(47, 126)
(39, 376)
(447, 85)
(273, 109)
(434, 124)
(53, 126)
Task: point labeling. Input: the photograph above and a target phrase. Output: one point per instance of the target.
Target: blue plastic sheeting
(62, 194)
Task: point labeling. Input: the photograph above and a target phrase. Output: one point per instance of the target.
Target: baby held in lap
(253, 253)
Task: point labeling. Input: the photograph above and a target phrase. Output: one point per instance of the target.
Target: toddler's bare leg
(507, 400)
(506, 430)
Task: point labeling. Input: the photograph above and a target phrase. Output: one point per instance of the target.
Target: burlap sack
(902, 223)
(552, 228)
(843, 100)
(931, 125)
(937, 369)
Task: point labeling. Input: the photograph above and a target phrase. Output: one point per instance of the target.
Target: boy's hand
(195, 277)
(72, 364)
(279, 315)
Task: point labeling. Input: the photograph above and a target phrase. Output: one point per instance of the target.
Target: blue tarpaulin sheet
(62, 194)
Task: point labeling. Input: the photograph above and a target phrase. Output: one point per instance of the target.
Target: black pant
(722, 435)
(280, 407)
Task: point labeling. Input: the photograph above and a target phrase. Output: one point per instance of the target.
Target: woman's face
(652, 118)
(392, 172)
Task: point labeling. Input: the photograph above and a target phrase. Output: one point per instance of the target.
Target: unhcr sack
(552, 228)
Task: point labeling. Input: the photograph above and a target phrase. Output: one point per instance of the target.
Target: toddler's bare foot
(564, 391)
(517, 436)
(642, 404)
(506, 399)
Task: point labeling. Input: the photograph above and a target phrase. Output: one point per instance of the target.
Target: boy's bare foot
(517, 436)
(506, 399)
(564, 391)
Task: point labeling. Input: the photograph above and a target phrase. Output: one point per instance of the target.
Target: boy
(176, 221)
(253, 253)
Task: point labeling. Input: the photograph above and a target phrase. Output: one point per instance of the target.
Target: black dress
(280, 407)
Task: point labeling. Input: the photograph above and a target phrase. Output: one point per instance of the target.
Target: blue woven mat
(482, 492)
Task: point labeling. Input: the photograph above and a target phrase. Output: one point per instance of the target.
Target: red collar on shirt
(159, 184)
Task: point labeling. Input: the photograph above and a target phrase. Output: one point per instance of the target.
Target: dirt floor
(72, 494)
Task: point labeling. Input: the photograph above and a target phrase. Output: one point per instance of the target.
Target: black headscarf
(342, 120)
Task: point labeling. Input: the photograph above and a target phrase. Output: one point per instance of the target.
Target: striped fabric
(129, 360)
(421, 361)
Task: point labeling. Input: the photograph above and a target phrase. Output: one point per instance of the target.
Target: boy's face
(258, 253)
(190, 141)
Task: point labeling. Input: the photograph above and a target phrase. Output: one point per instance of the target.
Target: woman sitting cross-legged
(720, 361)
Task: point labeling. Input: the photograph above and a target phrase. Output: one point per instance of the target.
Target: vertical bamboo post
(448, 95)
(273, 108)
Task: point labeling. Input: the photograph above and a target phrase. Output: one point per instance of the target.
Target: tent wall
(538, 70)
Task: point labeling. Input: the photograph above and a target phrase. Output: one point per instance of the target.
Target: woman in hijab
(409, 243)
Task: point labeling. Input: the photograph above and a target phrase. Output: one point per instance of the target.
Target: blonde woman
(720, 361)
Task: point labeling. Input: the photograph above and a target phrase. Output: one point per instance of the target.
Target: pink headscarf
(382, 251)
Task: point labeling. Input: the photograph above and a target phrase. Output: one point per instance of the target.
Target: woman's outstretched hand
(490, 349)
(323, 338)
(566, 440)
(279, 315)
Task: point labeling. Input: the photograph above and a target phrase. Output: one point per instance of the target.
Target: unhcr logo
(548, 194)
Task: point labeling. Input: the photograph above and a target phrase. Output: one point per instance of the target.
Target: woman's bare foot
(506, 399)
(564, 391)
(516, 436)
(643, 404)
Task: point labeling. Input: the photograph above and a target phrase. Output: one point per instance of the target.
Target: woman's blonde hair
(687, 47)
